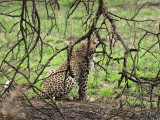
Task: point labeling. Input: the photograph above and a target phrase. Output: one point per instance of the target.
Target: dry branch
(30, 36)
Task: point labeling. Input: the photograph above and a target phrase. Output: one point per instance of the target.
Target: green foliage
(93, 82)
(74, 93)
(134, 102)
(77, 15)
(154, 105)
(66, 2)
(112, 3)
(112, 77)
(146, 66)
(106, 92)
(92, 91)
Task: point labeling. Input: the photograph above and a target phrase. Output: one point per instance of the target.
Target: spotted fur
(59, 83)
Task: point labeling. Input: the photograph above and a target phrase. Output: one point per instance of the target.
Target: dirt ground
(72, 110)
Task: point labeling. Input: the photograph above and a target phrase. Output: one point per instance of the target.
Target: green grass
(107, 92)
(147, 66)
(74, 93)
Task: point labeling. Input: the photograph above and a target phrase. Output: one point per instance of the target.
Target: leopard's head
(88, 46)
(93, 44)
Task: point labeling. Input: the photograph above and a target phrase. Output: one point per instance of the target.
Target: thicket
(127, 64)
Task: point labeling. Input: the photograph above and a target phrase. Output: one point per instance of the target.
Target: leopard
(58, 83)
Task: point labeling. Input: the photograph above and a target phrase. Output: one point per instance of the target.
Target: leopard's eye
(94, 42)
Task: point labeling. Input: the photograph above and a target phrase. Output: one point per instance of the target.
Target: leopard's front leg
(83, 86)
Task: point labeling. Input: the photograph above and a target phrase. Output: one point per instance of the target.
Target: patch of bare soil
(71, 110)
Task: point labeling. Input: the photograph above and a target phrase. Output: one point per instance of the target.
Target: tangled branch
(16, 63)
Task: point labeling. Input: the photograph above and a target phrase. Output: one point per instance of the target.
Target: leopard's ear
(91, 37)
(85, 41)
(94, 39)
